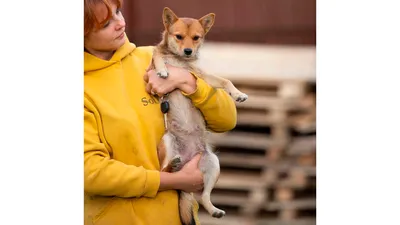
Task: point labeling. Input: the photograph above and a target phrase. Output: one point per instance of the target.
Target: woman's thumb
(196, 159)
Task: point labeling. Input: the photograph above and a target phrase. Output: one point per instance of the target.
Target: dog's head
(184, 36)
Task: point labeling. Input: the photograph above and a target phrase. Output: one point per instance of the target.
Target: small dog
(186, 133)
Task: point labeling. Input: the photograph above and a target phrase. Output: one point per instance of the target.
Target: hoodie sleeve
(217, 107)
(108, 177)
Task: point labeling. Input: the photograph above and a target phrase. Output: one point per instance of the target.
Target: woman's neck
(105, 55)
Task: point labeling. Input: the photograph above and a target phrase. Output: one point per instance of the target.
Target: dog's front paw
(162, 73)
(239, 96)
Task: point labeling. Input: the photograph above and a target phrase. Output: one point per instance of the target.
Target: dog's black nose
(188, 51)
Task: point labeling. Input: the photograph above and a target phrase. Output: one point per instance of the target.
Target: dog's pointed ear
(169, 17)
(207, 21)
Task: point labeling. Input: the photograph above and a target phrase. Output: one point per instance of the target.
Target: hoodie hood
(92, 63)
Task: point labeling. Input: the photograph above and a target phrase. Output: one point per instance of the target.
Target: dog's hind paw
(239, 96)
(176, 163)
(218, 213)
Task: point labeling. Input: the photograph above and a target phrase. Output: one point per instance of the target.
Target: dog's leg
(159, 64)
(171, 161)
(219, 82)
(173, 165)
(209, 165)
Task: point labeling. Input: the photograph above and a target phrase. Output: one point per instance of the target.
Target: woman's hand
(178, 78)
(188, 179)
(191, 177)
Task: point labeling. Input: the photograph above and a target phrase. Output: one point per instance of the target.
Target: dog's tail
(186, 202)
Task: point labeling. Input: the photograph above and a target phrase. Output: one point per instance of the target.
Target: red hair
(90, 19)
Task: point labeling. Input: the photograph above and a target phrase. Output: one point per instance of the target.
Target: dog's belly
(188, 147)
(187, 126)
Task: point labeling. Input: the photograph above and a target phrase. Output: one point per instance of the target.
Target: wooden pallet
(238, 220)
(264, 162)
(268, 158)
(245, 183)
(282, 88)
(245, 196)
(304, 120)
(274, 102)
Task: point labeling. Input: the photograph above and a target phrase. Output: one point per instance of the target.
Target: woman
(123, 125)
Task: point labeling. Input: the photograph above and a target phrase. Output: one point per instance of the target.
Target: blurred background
(267, 49)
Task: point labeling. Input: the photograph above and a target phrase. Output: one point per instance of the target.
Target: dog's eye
(196, 38)
(179, 37)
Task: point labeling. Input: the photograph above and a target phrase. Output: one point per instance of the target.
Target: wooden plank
(264, 117)
(239, 181)
(286, 165)
(250, 181)
(268, 103)
(292, 89)
(294, 204)
(256, 118)
(265, 90)
(307, 159)
(251, 161)
(281, 88)
(298, 177)
(206, 219)
(304, 123)
(283, 194)
(305, 221)
(241, 159)
(302, 145)
(290, 184)
(241, 139)
(228, 199)
(287, 214)
(261, 102)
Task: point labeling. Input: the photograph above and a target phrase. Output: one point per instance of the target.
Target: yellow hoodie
(123, 125)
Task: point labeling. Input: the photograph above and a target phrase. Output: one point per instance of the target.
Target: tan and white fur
(186, 134)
